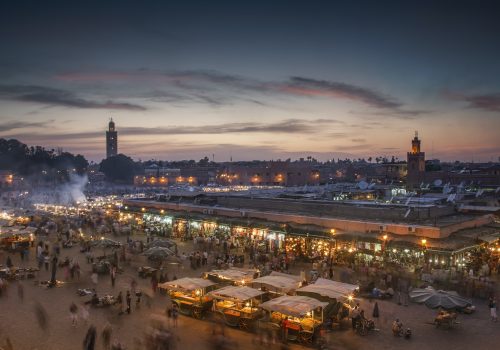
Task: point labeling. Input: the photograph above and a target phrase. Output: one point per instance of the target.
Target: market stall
(238, 305)
(339, 296)
(232, 276)
(298, 317)
(277, 283)
(190, 295)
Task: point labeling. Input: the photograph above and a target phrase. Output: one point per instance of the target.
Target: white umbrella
(439, 298)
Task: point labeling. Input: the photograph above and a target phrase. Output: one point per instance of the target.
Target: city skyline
(253, 81)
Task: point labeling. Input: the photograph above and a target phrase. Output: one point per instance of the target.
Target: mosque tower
(111, 140)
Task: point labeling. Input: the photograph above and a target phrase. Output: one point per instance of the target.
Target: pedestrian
(89, 341)
(128, 299)
(9, 262)
(493, 309)
(355, 316)
(106, 335)
(73, 309)
(41, 316)
(20, 291)
(138, 294)
(94, 278)
(376, 311)
(175, 314)
(113, 275)
(84, 311)
(46, 261)
(119, 301)
(154, 283)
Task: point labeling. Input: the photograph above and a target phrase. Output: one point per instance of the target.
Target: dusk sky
(253, 80)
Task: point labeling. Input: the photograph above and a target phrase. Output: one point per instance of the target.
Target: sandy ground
(18, 320)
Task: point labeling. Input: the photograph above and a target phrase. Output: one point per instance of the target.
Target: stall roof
(281, 281)
(187, 284)
(235, 274)
(330, 289)
(296, 306)
(241, 293)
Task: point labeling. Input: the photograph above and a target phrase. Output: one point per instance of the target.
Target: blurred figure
(41, 316)
(106, 335)
(89, 341)
(73, 313)
(20, 292)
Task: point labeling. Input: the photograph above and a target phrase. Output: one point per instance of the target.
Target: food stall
(238, 305)
(15, 238)
(232, 276)
(277, 284)
(339, 296)
(298, 317)
(190, 295)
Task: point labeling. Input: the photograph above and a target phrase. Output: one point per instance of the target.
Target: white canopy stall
(279, 283)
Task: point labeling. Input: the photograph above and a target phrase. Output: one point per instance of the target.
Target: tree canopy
(24, 160)
(119, 168)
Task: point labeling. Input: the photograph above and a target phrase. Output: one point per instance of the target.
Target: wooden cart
(237, 306)
(190, 295)
(298, 318)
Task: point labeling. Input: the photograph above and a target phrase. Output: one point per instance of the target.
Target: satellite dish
(438, 182)
(363, 185)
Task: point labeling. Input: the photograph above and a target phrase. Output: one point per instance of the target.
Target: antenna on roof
(407, 213)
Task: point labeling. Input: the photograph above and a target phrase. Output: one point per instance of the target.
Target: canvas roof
(297, 306)
(240, 293)
(187, 284)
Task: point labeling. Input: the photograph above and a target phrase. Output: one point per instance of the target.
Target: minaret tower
(111, 140)
(416, 164)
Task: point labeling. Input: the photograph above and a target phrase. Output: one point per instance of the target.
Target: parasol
(162, 254)
(439, 298)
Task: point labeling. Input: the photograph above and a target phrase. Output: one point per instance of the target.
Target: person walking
(84, 311)
(113, 275)
(95, 279)
(175, 314)
(129, 300)
(73, 309)
(89, 341)
(119, 301)
(106, 336)
(493, 309)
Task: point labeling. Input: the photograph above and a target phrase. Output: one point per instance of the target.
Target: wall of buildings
(335, 209)
(348, 225)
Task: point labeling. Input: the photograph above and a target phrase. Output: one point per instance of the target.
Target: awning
(187, 284)
(297, 306)
(490, 238)
(236, 293)
(235, 274)
(279, 281)
(328, 288)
